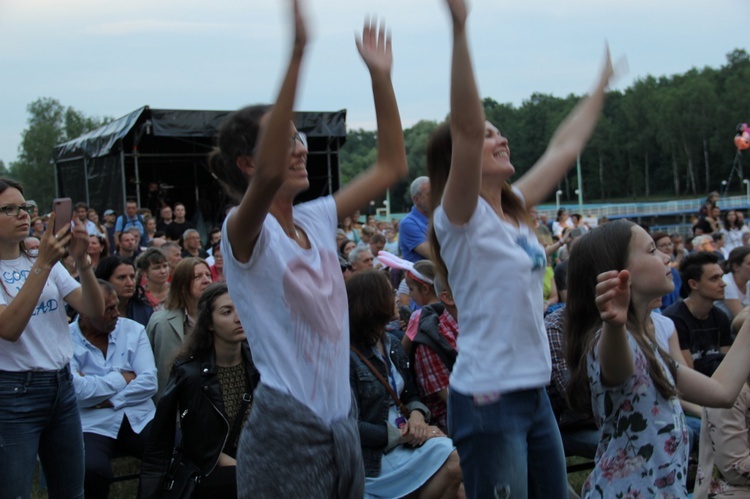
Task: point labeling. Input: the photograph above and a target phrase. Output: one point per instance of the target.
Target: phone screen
(63, 210)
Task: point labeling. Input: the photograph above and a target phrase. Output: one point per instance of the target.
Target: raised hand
(300, 31)
(375, 46)
(613, 297)
(79, 244)
(458, 12)
(52, 246)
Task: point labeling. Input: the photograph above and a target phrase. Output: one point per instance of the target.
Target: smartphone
(63, 210)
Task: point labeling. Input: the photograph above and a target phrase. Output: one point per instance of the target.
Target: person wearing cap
(110, 217)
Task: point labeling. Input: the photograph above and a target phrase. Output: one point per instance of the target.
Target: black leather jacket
(195, 391)
(373, 401)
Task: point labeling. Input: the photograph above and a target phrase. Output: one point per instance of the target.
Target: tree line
(667, 136)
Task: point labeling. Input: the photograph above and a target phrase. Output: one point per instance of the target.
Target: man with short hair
(361, 258)
(131, 218)
(173, 253)
(703, 242)
(179, 225)
(191, 245)
(703, 329)
(82, 211)
(165, 218)
(114, 375)
(412, 238)
(128, 247)
(377, 244)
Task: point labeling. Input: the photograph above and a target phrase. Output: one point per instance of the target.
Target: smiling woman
(282, 269)
(38, 407)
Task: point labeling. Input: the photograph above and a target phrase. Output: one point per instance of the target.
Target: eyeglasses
(665, 245)
(13, 210)
(297, 136)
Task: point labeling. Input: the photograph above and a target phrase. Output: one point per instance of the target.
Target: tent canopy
(159, 156)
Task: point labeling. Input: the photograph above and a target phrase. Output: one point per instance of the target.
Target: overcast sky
(108, 58)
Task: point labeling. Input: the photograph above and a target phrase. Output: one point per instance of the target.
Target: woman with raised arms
(282, 270)
(499, 415)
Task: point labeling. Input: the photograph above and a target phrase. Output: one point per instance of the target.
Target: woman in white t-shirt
(38, 406)
(733, 229)
(283, 273)
(499, 413)
(737, 279)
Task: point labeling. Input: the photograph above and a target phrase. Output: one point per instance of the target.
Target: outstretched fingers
(375, 45)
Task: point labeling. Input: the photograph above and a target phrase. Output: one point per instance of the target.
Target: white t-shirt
(495, 271)
(732, 292)
(45, 343)
(292, 304)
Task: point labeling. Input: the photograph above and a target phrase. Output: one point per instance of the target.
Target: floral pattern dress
(643, 448)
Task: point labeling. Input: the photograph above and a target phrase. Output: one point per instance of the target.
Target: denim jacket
(373, 400)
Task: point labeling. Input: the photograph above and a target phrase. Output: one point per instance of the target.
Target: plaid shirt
(554, 323)
(432, 375)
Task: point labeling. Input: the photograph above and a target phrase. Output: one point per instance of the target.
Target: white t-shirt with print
(45, 343)
(495, 271)
(292, 304)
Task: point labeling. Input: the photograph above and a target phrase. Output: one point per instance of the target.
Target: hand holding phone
(63, 210)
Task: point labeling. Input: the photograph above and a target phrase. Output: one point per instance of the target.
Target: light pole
(559, 193)
(579, 193)
(747, 185)
(724, 188)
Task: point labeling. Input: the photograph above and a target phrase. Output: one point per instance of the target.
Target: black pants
(99, 452)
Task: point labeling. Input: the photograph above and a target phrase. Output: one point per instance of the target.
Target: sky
(108, 58)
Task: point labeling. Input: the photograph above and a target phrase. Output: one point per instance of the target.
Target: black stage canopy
(159, 156)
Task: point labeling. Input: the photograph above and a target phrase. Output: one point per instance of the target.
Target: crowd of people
(463, 351)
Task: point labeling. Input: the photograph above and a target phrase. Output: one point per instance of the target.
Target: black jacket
(195, 391)
(373, 401)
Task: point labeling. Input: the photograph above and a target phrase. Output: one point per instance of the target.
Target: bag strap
(237, 424)
(401, 407)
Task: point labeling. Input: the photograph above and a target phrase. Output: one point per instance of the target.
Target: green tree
(49, 124)
(4, 172)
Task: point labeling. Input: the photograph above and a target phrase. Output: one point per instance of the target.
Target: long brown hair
(182, 280)
(602, 249)
(200, 340)
(238, 136)
(439, 150)
(371, 306)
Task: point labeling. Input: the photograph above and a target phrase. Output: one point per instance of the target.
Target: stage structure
(160, 155)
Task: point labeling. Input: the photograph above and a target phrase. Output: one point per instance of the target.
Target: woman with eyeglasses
(168, 328)
(38, 406)
(282, 269)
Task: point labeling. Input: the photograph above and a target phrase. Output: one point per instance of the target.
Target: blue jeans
(39, 415)
(508, 447)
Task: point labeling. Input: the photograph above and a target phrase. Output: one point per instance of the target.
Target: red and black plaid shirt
(432, 375)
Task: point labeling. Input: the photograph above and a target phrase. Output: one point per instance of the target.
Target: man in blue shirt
(131, 218)
(114, 375)
(412, 237)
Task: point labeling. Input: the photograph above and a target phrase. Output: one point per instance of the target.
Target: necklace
(293, 232)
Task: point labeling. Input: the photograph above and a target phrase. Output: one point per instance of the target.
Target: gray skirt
(287, 451)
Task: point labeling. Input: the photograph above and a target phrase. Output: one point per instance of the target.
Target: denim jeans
(39, 415)
(509, 447)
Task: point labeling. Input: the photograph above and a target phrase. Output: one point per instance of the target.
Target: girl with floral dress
(621, 375)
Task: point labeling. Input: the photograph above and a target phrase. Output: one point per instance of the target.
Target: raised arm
(568, 141)
(268, 168)
(721, 389)
(390, 166)
(612, 299)
(16, 315)
(87, 299)
(467, 126)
